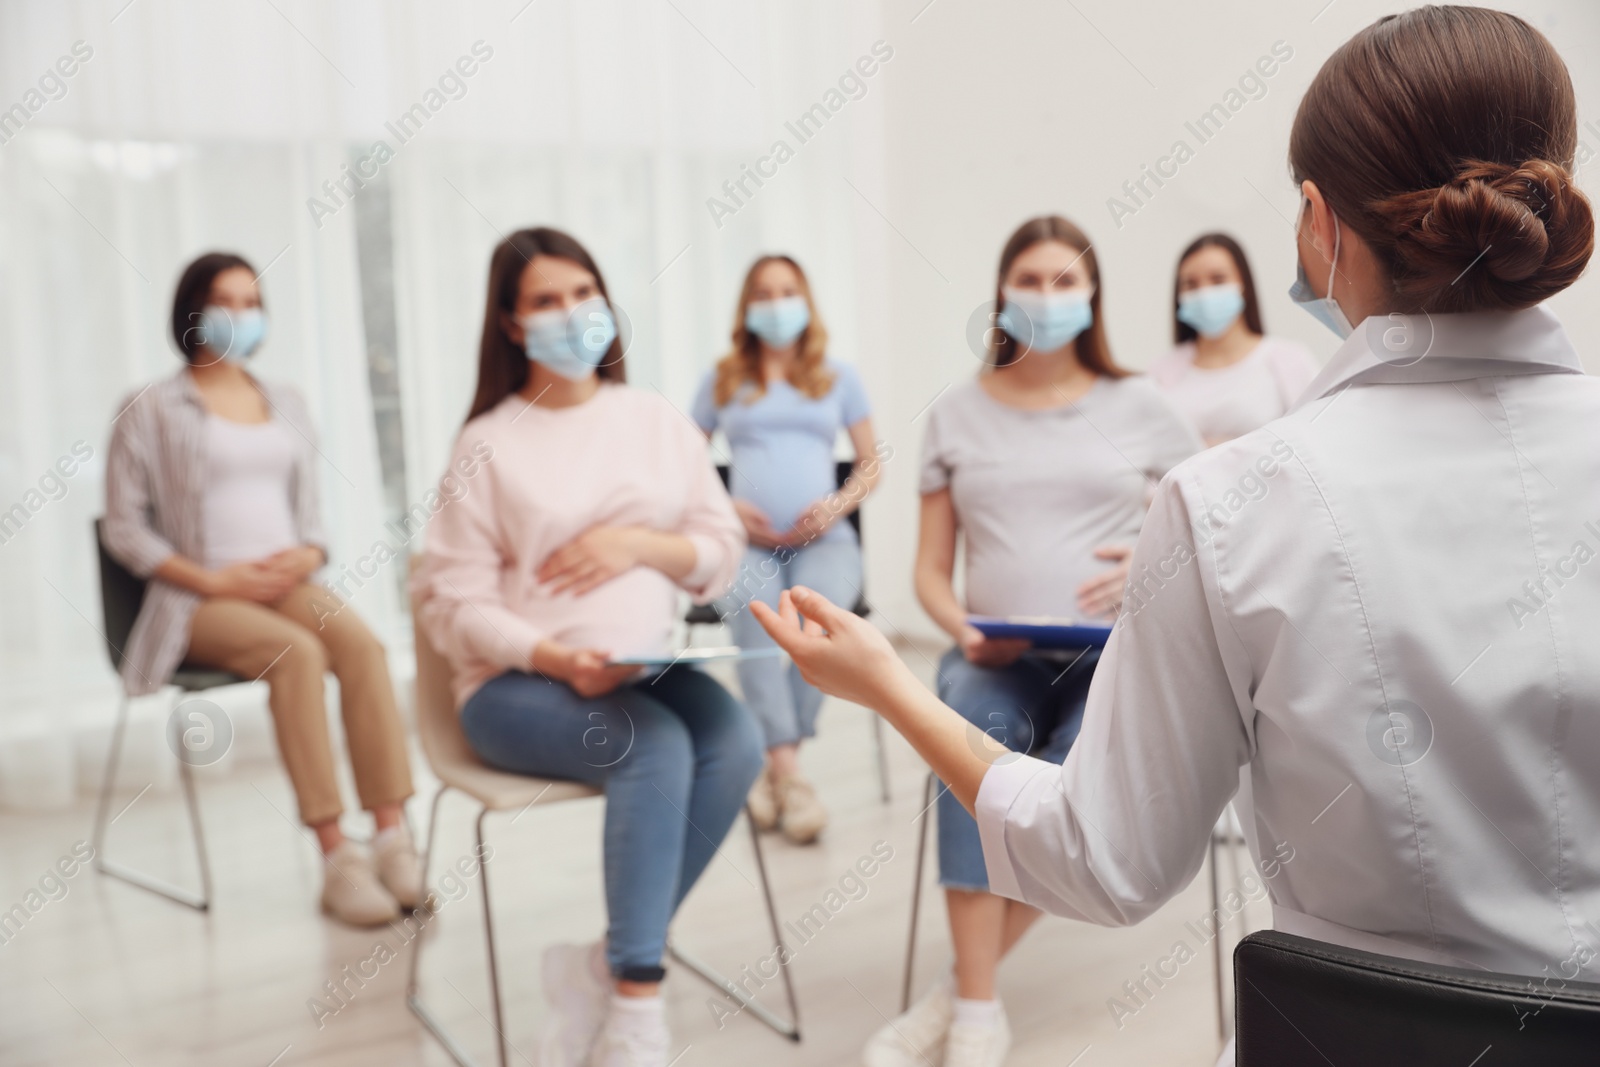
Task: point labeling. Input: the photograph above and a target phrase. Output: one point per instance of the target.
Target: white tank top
(247, 512)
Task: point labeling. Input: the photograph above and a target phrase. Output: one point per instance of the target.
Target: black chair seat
(703, 615)
(198, 679)
(707, 614)
(1303, 1001)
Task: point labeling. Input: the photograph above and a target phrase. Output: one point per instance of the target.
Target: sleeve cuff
(513, 643)
(1002, 784)
(144, 555)
(708, 559)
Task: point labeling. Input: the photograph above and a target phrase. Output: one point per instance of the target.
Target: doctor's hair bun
(1496, 237)
(1445, 137)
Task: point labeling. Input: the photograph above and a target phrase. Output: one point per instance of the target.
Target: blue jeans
(676, 756)
(784, 703)
(1033, 706)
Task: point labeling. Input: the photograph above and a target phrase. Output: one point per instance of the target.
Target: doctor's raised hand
(847, 657)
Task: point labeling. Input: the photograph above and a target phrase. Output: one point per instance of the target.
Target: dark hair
(1182, 331)
(1445, 137)
(1091, 347)
(194, 289)
(502, 366)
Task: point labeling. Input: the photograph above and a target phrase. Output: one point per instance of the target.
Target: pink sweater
(541, 477)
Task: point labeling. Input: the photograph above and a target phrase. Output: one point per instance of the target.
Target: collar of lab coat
(1397, 348)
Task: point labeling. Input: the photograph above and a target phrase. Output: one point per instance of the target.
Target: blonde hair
(741, 367)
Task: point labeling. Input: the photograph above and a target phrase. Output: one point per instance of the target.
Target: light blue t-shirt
(783, 442)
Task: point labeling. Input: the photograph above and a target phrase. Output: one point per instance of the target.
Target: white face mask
(1325, 309)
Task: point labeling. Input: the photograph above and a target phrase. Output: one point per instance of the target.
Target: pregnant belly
(632, 614)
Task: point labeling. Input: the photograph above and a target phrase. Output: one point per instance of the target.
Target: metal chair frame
(200, 901)
(121, 596)
(789, 1028)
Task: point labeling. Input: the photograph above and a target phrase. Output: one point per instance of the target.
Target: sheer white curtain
(197, 126)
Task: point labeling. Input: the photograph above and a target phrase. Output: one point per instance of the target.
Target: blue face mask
(778, 322)
(232, 335)
(1211, 310)
(571, 343)
(1044, 322)
(1324, 309)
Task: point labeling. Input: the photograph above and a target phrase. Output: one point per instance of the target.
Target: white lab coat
(1436, 474)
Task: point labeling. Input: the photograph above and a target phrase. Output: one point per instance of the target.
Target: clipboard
(1044, 631)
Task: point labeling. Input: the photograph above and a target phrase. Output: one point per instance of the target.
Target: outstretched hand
(836, 650)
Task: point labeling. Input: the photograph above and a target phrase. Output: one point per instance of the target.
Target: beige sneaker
(763, 801)
(917, 1037)
(399, 867)
(351, 891)
(802, 816)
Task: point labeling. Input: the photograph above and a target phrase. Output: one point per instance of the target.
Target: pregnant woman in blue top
(781, 403)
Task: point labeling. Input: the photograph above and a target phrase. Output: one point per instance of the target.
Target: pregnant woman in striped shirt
(211, 497)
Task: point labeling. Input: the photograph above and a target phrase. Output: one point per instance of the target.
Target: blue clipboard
(1044, 631)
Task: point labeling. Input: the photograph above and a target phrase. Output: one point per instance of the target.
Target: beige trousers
(290, 645)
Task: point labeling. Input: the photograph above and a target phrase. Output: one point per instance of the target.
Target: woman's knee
(302, 654)
(640, 738)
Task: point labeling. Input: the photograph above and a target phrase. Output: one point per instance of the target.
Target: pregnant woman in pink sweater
(595, 504)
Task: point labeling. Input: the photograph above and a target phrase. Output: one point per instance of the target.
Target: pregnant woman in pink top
(595, 504)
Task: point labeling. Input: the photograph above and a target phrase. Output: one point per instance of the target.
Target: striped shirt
(155, 486)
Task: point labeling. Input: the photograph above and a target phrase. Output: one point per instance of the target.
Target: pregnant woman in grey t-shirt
(1042, 467)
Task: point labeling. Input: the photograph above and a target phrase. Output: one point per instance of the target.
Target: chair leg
(883, 755)
(412, 986)
(928, 797)
(413, 983)
(1216, 943)
(790, 1028)
(1236, 842)
(488, 933)
(102, 823)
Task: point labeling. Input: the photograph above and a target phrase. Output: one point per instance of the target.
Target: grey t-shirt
(1036, 492)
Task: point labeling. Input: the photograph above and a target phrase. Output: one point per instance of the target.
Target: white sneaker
(635, 1034)
(916, 1038)
(351, 891)
(979, 1045)
(577, 996)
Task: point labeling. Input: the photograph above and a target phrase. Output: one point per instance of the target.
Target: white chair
(458, 768)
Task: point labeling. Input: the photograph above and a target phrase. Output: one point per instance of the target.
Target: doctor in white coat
(1386, 602)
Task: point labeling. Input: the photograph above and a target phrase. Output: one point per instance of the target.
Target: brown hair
(742, 365)
(194, 289)
(1445, 136)
(502, 365)
(1182, 331)
(1091, 347)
